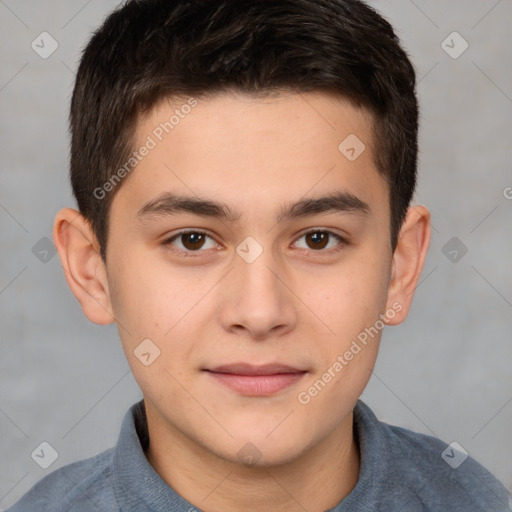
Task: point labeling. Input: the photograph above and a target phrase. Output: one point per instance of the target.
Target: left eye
(193, 241)
(190, 240)
(320, 238)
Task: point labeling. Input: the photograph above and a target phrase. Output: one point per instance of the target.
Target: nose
(258, 301)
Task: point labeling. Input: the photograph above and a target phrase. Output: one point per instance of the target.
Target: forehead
(245, 149)
(256, 119)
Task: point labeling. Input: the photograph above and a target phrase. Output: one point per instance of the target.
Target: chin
(260, 452)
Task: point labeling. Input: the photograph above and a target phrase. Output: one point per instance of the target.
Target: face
(264, 284)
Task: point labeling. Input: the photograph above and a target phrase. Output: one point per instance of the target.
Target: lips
(251, 380)
(248, 369)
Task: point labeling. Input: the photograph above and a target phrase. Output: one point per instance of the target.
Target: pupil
(193, 239)
(319, 239)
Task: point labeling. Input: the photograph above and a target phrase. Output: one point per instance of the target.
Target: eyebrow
(171, 204)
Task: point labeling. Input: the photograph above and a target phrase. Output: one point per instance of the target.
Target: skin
(295, 304)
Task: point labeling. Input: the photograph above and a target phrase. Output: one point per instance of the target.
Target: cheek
(345, 358)
(165, 307)
(141, 281)
(349, 305)
(349, 298)
(151, 312)
(145, 304)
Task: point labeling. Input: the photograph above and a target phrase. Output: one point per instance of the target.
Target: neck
(317, 480)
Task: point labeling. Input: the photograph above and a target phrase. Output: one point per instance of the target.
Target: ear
(408, 260)
(83, 267)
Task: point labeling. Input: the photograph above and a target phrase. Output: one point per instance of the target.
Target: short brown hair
(147, 50)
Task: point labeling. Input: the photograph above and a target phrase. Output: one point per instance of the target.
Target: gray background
(445, 372)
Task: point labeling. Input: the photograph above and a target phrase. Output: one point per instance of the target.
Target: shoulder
(438, 474)
(79, 487)
(446, 467)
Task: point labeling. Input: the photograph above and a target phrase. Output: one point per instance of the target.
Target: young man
(244, 172)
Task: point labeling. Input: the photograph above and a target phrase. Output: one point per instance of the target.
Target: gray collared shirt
(401, 470)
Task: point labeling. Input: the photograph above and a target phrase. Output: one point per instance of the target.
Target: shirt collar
(374, 457)
(139, 488)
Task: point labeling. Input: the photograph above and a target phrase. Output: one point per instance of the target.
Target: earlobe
(408, 260)
(83, 267)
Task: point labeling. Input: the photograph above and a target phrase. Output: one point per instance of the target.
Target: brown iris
(193, 240)
(319, 239)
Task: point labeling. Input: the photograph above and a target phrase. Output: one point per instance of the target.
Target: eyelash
(187, 254)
